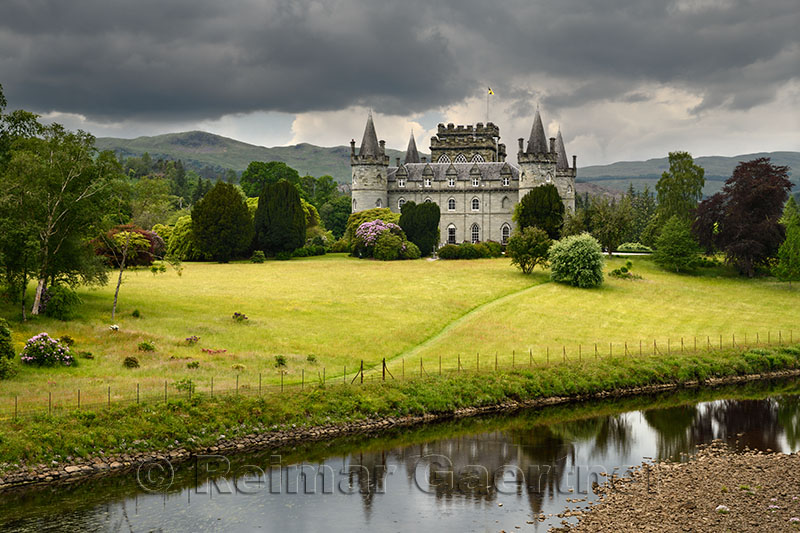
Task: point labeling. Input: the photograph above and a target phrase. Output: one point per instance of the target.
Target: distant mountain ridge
(198, 150)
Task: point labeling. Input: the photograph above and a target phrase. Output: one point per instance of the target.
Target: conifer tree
(221, 223)
(280, 222)
(543, 208)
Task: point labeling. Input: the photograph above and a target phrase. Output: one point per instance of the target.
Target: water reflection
(481, 474)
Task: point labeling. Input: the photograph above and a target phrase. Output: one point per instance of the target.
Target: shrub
(387, 246)
(185, 385)
(42, 350)
(130, 362)
(625, 272)
(366, 236)
(318, 249)
(340, 246)
(192, 340)
(136, 314)
(258, 257)
(6, 351)
(312, 359)
(85, 355)
(239, 317)
(482, 249)
(193, 365)
(410, 251)
(467, 250)
(300, 252)
(577, 260)
(368, 215)
(66, 340)
(280, 361)
(182, 243)
(634, 247)
(143, 246)
(59, 302)
(495, 248)
(448, 251)
(529, 248)
(283, 256)
(6, 348)
(147, 346)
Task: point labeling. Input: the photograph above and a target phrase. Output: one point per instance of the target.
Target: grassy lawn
(342, 310)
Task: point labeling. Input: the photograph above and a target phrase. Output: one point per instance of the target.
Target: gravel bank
(718, 490)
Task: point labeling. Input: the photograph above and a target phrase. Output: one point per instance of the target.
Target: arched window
(451, 234)
(428, 200)
(505, 233)
(478, 158)
(460, 158)
(400, 203)
(476, 233)
(476, 204)
(354, 205)
(569, 189)
(451, 204)
(443, 159)
(505, 203)
(378, 203)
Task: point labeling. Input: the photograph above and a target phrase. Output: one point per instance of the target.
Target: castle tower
(369, 171)
(537, 163)
(565, 176)
(412, 155)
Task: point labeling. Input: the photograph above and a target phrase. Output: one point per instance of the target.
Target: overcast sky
(623, 79)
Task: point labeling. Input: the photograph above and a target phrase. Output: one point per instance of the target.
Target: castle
(468, 177)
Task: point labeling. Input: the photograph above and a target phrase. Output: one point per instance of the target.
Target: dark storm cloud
(201, 59)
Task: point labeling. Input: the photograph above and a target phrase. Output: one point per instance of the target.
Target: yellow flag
(491, 91)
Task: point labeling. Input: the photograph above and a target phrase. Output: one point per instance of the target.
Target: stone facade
(469, 179)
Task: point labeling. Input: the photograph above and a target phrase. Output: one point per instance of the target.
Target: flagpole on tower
(488, 93)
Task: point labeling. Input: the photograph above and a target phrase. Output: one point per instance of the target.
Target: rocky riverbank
(718, 490)
(105, 464)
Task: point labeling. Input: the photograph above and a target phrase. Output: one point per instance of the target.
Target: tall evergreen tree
(676, 249)
(280, 222)
(221, 223)
(420, 222)
(788, 265)
(543, 208)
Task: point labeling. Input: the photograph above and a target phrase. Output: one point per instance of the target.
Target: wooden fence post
(548, 356)
(212, 386)
(259, 383)
(478, 361)
(165, 391)
(495, 361)
(564, 350)
(362, 371)
(79, 397)
(530, 357)
(49, 402)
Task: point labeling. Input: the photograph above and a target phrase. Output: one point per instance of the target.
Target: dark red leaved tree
(743, 219)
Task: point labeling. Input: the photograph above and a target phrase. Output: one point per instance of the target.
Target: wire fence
(154, 392)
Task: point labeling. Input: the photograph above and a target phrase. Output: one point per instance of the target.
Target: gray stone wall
(494, 209)
(369, 187)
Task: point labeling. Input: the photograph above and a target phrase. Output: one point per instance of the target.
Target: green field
(342, 310)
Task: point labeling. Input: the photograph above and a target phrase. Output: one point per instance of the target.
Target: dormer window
(460, 158)
(451, 182)
(401, 182)
(506, 181)
(476, 181)
(427, 182)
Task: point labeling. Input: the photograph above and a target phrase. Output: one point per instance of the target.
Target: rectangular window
(451, 235)
(505, 181)
(401, 182)
(427, 182)
(475, 182)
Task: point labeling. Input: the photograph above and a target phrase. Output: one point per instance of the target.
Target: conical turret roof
(537, 143)
(561, 162)
(369, 144)
(412, 156)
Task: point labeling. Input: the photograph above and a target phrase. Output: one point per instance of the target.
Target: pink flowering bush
(368, 233)
(42, 350)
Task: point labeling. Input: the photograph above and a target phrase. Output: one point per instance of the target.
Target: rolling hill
(199, 150)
